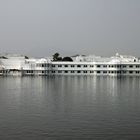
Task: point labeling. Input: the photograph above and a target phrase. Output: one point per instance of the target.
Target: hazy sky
(43, 27)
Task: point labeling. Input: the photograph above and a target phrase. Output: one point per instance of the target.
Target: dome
(115, 61)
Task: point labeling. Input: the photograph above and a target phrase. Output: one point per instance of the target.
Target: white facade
(118, 65)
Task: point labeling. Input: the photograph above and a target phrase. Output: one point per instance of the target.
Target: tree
(59, 59)
(55, 56)
(67, 59)
(3, 57)
(26, 57)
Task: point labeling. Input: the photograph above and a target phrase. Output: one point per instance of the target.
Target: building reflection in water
(75, 106)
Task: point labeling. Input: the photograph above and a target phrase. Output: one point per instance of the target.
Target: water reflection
(69, 107)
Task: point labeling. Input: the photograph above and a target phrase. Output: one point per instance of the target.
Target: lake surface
(69, 108)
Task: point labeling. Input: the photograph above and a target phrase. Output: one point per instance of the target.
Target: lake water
(69, 108)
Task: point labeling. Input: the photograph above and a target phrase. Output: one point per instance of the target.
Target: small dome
(115, 61)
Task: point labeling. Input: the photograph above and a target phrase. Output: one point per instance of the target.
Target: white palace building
(118, 65)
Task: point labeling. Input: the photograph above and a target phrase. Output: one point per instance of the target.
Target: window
(98, 66)
(85, 65)
(72, 65)
(66, 65)
(130, 72)
(124, 66)
(118, 66)
(29, 71)
(104, 71)
(72, 71)
(53, 71)
(53, 65)
(59, 71)
(98, 72)
(78, 66)
(84, 71)
(130, 66)
(66, 71)
(91, 71)
(104, 66)
(78, 71)
(91, 65)
(59, 65)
